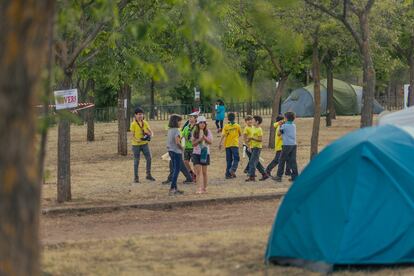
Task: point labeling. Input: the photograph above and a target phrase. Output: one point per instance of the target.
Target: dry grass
(237, 252)
(100, 176)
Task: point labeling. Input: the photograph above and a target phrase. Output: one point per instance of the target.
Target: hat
(195, 113)
(201, 119)
(139, 110)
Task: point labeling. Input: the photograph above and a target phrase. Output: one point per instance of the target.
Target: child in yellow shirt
(230, 135)
(141, 135)
(254, 136)
(278, 145)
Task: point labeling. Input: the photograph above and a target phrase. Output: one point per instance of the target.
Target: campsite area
(100, 176)
(213, 239)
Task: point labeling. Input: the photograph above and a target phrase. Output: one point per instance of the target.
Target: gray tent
(347, 100)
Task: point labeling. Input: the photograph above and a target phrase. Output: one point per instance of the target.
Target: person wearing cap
(141, 135)
(186, 133)
(201, 139)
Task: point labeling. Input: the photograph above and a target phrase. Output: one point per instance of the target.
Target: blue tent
(352, 205)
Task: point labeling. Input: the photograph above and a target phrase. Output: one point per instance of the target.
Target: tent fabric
(377, 106)
(352, 205)
(401, 118)
(347, 100)
(301, 101)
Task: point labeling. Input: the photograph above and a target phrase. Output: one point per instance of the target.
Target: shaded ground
(100, 176)
(77, 227)
(221, 239)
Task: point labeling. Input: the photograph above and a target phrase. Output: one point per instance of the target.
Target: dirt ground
(214, 239)
(100, 176)
(220, 239)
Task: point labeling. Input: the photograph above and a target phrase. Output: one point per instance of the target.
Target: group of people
(190, 143)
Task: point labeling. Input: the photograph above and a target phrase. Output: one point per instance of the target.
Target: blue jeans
(232, 159)
(254, 162)
(183, 170)
(259, 164)
(137, 154)
(177, 159)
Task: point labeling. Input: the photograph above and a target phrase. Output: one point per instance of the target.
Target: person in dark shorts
(202, 139)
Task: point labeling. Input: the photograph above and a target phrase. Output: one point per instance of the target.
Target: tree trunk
(129, 111)
(369, 75)
(330, 109)
(317, 98)
(276, 109)
(90, 115)
(23, 52)
(63, 178)
(411, 63)
(122, 127)
(152, 90)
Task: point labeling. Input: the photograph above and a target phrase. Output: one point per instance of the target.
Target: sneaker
(277, 179)
(175, 192)
(232, 174)
(149, 177)
(229, 177)
(188, 181)
(166, 182)
(264, 177)
(136, 180)
(251, 179)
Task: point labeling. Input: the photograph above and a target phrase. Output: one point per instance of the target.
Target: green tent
(347, 100)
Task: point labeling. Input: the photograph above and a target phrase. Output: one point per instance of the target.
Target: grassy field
(237, 252)
(100, 176)
(216, 239)
(222, 239)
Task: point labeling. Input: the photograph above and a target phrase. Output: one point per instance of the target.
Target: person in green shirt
(186, 134)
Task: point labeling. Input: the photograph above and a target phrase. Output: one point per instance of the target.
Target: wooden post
(121, 115)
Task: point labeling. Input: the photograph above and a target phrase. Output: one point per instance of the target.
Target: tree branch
(88, 58)
(343, 19)
(91, 36)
